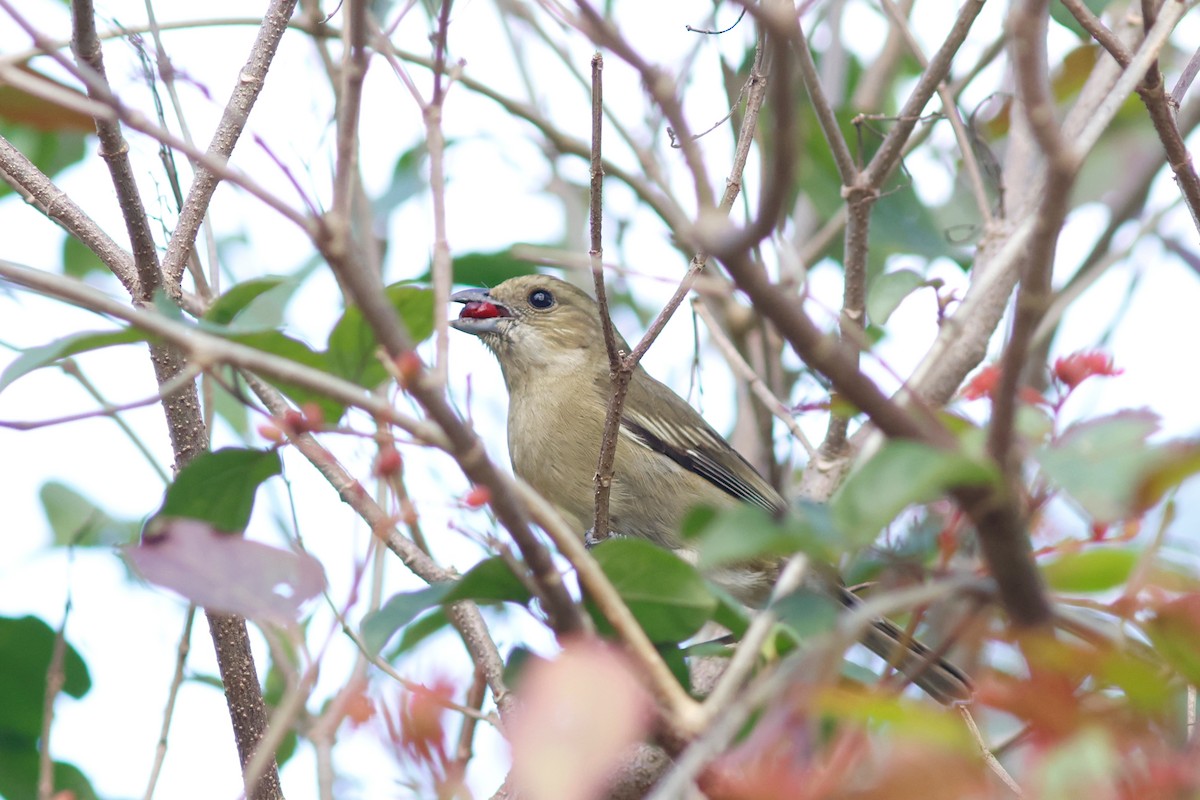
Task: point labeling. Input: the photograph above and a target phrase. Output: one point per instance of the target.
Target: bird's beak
(481, 313)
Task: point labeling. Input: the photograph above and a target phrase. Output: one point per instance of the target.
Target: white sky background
(128, 634)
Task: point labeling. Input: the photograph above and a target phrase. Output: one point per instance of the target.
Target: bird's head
(534, 322)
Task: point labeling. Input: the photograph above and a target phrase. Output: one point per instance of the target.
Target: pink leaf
(580, 713)
(223, 572)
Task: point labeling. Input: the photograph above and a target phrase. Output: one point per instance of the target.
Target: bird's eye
(541, 298)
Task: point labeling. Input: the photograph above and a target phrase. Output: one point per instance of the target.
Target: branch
(464, 616)
(115, 152)
(435, 142)
(661, 90)
(251, 78)
(37, 189)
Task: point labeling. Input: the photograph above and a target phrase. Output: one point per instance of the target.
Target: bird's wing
(670, 426)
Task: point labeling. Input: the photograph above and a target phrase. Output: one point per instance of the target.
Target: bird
(546, 335)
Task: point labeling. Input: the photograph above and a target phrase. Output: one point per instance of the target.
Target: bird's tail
(936, 676)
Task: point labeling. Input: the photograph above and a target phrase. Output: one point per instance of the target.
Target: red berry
(388, 462)
(478, 497)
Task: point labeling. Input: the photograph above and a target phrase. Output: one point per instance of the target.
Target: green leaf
(487, 269)
(1175, 632)
(47, 354)
(729, 613)
(408, 180)
(50, 151)
(888, 290)
(675, 658)
(219, 487)
(232, 409)
(351, 351)
(807, 612)
(75, 520)
(489, 581)
(1087, 759)
(901, 224)
(1179, 461)
(1094, 570)
(900, 474)
(514, 666)
(27, 111)
(26, 648)
(1102, 463)
(666, 595)
(380, 626)
(746, 532)
(78, 260)
(256, 304)
(278, 344)
(19, 766)
(1060, 14)
(419, 631)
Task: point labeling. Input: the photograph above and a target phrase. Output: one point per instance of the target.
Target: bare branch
(241, 101)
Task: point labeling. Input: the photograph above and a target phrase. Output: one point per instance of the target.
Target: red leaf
(983, 384)
(1074, 369)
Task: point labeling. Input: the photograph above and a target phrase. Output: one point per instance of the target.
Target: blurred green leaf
(19, 769)
(78, 260)
(256, 304)
(1085, 765)
(408, 180)
(76, 520)
(729, 613)
(1178, 462)
(487, 269)
(419, 631)
(489, 581)
(807, 612)
(50, 151)
(1140, 680)
(46, 354)
(747, 532)
(675, 658)
(901, 224)
(1103, 462)
(514, 666)
(380, 626)
(284, 346)
(1060, 14)
(901, 474)
(351, 351)
(219, 487)
(26, 648)
(37, 113)
(1175, 632)
(666, 595)
(1094, 570)
(230, 408)
(909, 721)
(888, 290)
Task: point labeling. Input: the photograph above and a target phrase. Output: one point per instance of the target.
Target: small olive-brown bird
(547, 337)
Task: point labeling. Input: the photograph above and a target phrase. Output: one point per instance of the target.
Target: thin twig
(748, 649)
(108, 409)
(435, 143)
(234, 117)
(181, 654)
(464, 616)
(744, 371)
(988, 757)
(619, 372)
(41, 192)
(55, 678)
